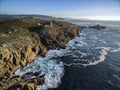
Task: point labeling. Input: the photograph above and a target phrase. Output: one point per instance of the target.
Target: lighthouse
(51, 24)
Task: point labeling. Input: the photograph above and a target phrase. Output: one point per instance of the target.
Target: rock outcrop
(18, 49)
(98, 27)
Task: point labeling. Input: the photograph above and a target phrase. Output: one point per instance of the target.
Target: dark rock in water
(76, 42)
(83, 27)
(36, 73)
(58, 48)
(29, 73)
(98, 27)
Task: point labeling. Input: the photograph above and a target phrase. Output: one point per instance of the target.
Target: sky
(78, 9)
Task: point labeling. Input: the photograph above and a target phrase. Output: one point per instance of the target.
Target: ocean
(91, 61)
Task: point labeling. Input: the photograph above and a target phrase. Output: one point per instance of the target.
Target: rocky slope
(21, 40)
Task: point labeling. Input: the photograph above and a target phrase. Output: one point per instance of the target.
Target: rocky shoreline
(22, 42)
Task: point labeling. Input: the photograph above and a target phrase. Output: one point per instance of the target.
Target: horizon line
(67, 17)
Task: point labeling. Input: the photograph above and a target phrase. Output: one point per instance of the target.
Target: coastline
(21, 50)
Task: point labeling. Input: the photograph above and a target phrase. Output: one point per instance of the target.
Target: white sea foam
(116, 49)
(87, 62)
(101, 58)
(72, 64)
(81, 43)
(77, 42)
(52, 69)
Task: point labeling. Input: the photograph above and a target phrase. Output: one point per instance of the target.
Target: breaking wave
(83, 52)
(87, 58)
(116, 49)
(52, 68)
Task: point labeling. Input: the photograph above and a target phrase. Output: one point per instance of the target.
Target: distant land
(47, 17)
(30, 16)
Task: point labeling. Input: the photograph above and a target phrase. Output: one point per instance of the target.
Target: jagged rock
(29, 86)
(16, 51)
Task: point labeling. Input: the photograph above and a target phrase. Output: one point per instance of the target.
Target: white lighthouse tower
(51, 23)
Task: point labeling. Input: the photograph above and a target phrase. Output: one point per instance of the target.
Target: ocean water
(93, 59)
(89, 62)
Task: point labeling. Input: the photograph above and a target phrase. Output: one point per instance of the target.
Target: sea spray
(51, 67)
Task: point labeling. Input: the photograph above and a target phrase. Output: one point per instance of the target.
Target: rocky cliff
(21, 40)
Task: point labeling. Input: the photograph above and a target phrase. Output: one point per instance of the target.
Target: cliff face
(17, 53)
(22, 41)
